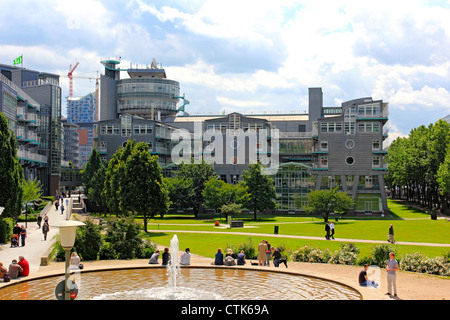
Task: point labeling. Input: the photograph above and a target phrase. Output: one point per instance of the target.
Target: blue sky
(250, 56)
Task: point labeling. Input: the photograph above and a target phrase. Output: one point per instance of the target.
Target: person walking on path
(332, 230)
(62, 209)
(392, 268)
(391, 234)
(45, 229)
(23, 235)
(39, 221)
(262, 253)
(327, 230)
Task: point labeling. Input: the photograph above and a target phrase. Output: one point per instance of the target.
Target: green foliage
(181, 191)
(199, 173)
(88, 240)
(218, 195)
(419, 166)
(11, 173)
(141, 189)
(250, 250)
(31, 190)
(380, 254)
(261, 189)
(6, 229)
(324, 202)
(123, 236)
(231, 209)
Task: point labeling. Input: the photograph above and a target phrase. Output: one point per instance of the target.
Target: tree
(199, 174)
(11, 173)
(231, 209)
(181, 192)
(92, 166)
(141, 188)
(96, 193)
(324, 202)
(261, 189)
(443, 179)
(114, 174)
(218, 193)
(31, 190)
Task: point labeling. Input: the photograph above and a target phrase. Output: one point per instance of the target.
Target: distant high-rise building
(83, 111)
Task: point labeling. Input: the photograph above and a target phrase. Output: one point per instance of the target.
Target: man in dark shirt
(363, 280)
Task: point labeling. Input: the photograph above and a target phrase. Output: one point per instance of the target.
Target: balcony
(381, 167)
(31, 156)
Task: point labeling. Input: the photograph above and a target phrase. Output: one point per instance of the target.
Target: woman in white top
(74, 261)
(185, 258)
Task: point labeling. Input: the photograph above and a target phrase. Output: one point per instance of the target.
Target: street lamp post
(67, 232)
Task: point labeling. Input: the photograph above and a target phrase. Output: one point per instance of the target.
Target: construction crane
(70, 75)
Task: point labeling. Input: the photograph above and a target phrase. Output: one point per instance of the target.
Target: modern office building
(325, 148)
(71, 143)
(31, 100)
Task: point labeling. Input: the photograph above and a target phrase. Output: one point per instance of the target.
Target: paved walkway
(35, 245)
(266, 235)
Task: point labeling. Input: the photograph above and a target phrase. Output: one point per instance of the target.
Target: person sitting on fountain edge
(185, 258)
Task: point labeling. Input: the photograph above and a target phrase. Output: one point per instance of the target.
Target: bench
(237, 224)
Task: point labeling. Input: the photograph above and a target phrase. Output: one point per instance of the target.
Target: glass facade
(141, 95)
(293, 182)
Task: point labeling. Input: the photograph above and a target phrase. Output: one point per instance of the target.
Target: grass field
(410, 225)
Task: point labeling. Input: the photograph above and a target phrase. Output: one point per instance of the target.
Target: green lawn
(410, 225)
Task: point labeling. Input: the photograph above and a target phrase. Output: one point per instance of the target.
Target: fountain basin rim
(159, 266)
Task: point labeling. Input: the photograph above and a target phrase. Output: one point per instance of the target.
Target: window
(324, 145)
(324, 162)
(125, 122)
(349, 160)
(375, 144)
(375, 161)
(350, 120)
(330, 127)
(301, 128)
(349, 144)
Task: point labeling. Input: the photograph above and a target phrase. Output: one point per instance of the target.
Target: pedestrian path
(35, 245)
(305, 237)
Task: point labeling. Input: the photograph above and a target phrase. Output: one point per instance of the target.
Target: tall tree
(218, 193)
(324, 202)
(91, 168)
(114, 174)
(181, 192)
(261, 189)
(199, 174)
(11, 173)
(141, 189)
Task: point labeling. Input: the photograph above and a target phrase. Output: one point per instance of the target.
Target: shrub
(88, 240)
(249, 249)
(107, 252)
(147, 249)
(6, 228)
(311, 254)
(123, 234)
(347, 254)
(416, 262)
(380, 254)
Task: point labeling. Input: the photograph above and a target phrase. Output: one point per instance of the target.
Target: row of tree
(132, 183)
(419, 166)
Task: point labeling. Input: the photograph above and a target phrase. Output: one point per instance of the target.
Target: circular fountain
(192, 283)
